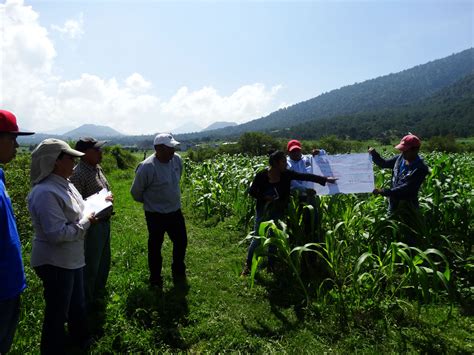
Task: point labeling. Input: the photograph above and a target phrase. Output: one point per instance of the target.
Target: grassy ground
(218, 311)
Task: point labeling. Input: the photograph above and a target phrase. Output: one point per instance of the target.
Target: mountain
(218, 125)
(36, 138)
(385, 92)
(449, 111)
(59, 130)
(91, 130)
(187, 127)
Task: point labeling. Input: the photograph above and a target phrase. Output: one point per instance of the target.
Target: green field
(360, 310)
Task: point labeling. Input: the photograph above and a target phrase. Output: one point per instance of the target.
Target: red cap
(8, 124)
(408, 142)
(293, 144)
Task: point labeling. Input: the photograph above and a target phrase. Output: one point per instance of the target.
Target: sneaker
(245, 271)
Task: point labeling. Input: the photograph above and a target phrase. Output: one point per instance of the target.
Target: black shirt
(280, 191)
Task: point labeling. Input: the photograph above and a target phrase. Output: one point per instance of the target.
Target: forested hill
(450, 111)
(386, 92)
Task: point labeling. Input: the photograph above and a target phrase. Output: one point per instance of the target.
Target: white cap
(166, 139)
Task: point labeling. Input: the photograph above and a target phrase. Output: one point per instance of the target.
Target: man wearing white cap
(156, 185)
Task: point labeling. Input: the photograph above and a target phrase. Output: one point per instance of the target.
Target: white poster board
(355, 173)
(97, 203)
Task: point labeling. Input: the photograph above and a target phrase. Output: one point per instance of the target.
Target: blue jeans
(65, 302)
(259, 217)
(9, 316)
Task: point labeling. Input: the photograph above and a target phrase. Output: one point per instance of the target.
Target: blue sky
(196, 62)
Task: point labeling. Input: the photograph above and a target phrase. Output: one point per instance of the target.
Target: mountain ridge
(219, 125)
(387, 91)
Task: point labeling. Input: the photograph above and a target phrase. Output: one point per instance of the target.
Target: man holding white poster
(301, 163)
(408, 173)
(354, 172)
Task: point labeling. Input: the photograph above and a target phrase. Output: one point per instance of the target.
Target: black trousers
(65, 302)
(173, 224)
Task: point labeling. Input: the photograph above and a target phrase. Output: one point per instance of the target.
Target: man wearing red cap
(301, 164)
(409, 172)
(12, 275)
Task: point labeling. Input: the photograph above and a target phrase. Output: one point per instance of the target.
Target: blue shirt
(406, 179)
(12, 275)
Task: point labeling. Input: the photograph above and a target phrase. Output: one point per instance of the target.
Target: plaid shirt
(88, 179)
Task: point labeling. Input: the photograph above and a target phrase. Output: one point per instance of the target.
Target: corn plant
(218, 186)
(399, 271)
(333, 253)
(271, 234)
(357, 250)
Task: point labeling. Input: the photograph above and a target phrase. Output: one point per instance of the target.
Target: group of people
(71, 251)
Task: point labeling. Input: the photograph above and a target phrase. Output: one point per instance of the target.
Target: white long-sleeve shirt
(56, 208)
(156, 184)
(304, 165)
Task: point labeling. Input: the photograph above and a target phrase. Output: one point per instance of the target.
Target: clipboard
(97, 204)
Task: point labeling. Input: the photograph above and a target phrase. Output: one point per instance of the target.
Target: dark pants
(173, 224)
(97, 253)
(64, 298)
(309, 231)
(9, 316)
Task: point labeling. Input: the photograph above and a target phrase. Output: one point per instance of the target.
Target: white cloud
(26, 60)
(72, 28)
(42, 100)
(137, 82)
(206, 105)
(91, 99)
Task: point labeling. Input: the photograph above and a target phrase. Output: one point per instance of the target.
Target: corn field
(356, 256)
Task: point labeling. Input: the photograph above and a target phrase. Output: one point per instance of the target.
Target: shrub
(256, 143)
(115, 157)
(17, 176)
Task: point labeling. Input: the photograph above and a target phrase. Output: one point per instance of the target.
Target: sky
(143, 67)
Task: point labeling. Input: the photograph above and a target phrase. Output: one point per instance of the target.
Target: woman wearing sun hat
(56, 209)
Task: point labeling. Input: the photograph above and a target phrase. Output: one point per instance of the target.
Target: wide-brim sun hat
(44, 156)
